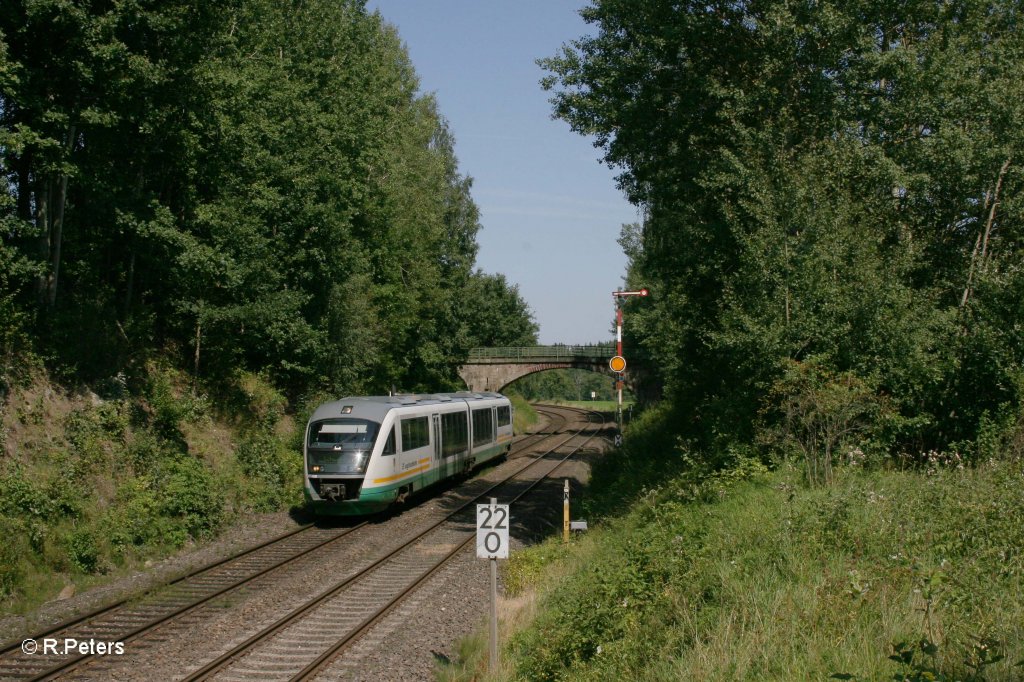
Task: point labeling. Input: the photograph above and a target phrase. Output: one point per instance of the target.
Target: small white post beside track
(492, 521)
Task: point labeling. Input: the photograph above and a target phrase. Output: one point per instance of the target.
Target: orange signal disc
(617, 363)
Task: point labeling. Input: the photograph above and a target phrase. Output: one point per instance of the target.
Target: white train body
(362, 454)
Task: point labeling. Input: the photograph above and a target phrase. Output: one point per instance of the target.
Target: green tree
(242, 185)
(495, 313)
(824, 180)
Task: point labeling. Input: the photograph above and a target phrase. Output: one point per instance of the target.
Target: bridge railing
(598, 351)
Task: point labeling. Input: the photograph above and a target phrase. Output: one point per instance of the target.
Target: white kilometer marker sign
(492, 531)
(492, 543)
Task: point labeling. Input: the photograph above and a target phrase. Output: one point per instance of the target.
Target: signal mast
(618, 363)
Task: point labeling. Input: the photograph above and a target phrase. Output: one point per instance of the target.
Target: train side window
(483, 426)
(504, 416)
(455, 433)
(415, 433)
(389, 446)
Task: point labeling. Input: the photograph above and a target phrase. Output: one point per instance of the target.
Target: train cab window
(389, 446)
(415, 433)
(340, 446)
(504, 416)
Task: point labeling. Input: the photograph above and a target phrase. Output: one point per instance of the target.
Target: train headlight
(315, 468)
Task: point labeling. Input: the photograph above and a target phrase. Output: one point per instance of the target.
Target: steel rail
(74, 620)
(314, 667)
(130, 633)
(230, 656)
(76, 661)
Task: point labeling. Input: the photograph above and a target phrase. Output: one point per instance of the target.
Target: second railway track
(184, 598)
(300, 644)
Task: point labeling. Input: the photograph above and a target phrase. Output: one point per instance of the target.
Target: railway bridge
(492, 369)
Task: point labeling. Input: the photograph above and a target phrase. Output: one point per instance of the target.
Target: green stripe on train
(378, 498)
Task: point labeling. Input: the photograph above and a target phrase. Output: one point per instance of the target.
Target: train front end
(341, 440)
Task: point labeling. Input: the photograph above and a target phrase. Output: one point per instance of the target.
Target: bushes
(523, 414)
(821, 418)
(648, 456)
(710, 566)
(273, 469)
(119, 480)
(12, 550)
(82, 550)
(769, 579)
(171, 404)
(267, 460)
(21, 497)
(184, 501)
(190, 497)
(818, 413)
(134, 519)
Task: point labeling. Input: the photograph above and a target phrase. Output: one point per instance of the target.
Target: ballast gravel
(405, 645)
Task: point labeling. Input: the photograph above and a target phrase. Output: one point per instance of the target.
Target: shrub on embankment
(90, 485)
(523, 414)
(738, 572)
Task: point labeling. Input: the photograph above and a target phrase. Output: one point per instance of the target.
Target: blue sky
(550, 210)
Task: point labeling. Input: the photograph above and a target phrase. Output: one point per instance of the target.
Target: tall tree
(496, 313)
(240, 184)
(819, 180)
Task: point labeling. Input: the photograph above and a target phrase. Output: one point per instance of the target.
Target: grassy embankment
(596, 405)
(750, 574)
(92, 487)
(523, 414)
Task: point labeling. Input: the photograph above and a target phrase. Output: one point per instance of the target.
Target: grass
(90, 489)
(748, 574)
(763, 579)
(523, 414)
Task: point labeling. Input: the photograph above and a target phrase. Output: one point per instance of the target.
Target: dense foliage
(244, 184)
(212, 216)
(566, 384)
(833, 241)
(90, 486)
(833, 230)
(741, 574)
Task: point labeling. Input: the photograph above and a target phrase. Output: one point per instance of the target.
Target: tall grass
(100, 486)
(523, 414)
(749, 575)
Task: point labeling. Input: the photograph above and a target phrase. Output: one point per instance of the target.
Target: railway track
(129, 619)
(298, 645)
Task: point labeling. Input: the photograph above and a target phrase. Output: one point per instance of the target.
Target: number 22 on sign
(492, 531)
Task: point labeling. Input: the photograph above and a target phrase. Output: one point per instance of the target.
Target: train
(363, 454)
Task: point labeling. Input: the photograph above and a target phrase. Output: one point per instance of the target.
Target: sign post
(492, 522)
(565, 512)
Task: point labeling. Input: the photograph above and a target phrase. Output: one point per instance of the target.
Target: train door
(438, 462)
(389, 454)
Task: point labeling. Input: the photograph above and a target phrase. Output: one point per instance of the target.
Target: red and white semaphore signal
(618, 318)
(618, 363)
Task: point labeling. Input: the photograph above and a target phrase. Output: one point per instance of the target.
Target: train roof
(377, 407)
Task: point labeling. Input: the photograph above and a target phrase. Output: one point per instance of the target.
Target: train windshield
(340, 446)
(343, 434)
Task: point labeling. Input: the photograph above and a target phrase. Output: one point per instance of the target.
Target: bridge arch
(492, 369)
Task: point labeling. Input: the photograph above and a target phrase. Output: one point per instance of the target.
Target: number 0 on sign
(492, 531)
